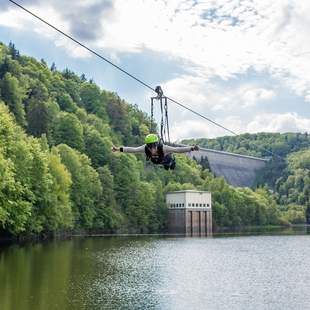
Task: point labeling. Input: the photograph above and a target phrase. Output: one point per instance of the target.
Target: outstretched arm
(128, 149)
(180, 149)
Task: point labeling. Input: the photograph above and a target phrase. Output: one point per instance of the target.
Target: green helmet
(151, 138)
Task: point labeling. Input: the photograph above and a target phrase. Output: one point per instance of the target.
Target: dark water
(227, 272)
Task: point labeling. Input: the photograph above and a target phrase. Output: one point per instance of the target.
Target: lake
(228, 271)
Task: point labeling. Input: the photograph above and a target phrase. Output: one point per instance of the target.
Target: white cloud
(213, 40)
(193, 128)
(71, 48)
(235, 36)
(250, 95)
(220, 38)
(204, 95)
(287, 122)
(55, 15)
(15, 19)
(203, 129)
(191, 90)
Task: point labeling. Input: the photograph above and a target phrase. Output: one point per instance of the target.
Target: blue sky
(245, 64)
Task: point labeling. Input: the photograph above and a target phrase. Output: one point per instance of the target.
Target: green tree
(92, 100)
(109, 216)
(15, 209)
(12, 95)
(41, 111)
(118, 111)
(86, 188)
(97, 148)
(69, 130)
(66, 103)
(13, 51)
(59, 214)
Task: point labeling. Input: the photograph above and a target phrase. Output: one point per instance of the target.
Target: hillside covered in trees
(288, 172)
(57, 172)
(258, 144)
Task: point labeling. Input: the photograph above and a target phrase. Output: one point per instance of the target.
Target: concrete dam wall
(238, 170)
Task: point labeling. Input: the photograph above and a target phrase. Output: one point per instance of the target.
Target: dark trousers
(168, 162)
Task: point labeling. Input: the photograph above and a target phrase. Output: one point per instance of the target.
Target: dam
(238, 170)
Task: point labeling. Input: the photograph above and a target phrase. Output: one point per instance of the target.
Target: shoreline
(220, 231)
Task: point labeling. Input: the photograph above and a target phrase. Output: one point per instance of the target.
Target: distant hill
(289, 178)
(259, 144)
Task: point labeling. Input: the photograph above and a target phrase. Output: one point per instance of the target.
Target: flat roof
(188, 191)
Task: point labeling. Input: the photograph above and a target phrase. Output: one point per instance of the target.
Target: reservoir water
(225, 272)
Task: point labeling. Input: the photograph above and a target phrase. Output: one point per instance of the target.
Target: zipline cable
(204, 117)
(82, 45)
(117, 67)
(126, 72)
(219, 125)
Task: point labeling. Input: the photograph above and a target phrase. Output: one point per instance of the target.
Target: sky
(244, 64)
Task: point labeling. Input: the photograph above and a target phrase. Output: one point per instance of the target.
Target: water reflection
(261, 272)
(266, 230)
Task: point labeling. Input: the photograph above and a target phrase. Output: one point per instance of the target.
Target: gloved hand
(195, 148)
(114, 148)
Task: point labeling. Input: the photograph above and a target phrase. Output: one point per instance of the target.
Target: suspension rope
(162, 119)
(126, 72)
(82, 45)
(152, 115)
(167, 119)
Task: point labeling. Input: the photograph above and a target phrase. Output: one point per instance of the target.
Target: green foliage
(66, 103)
(260, 144)
(294, 214)
(240, 206)
(97, 148)
(12, 95)
(59, 213)
(92, 100)
(109, 216)
(41, 109)
(86, 189)
(289, 177)
(69, 130)
(62, 175)
(294, 186)
(118, 114)
(28, 188)
(300, 160)
(15, 209)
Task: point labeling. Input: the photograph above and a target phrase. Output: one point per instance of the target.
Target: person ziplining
(157, 152)
(155, 148)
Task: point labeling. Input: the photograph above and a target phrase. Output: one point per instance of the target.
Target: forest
(58, 174)
(287, 174)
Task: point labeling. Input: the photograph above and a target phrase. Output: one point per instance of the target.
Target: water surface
(230, 272)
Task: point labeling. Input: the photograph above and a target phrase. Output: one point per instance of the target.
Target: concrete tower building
(190, 212)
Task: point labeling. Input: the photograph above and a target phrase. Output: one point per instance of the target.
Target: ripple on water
(235, 273)
(263, 272)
